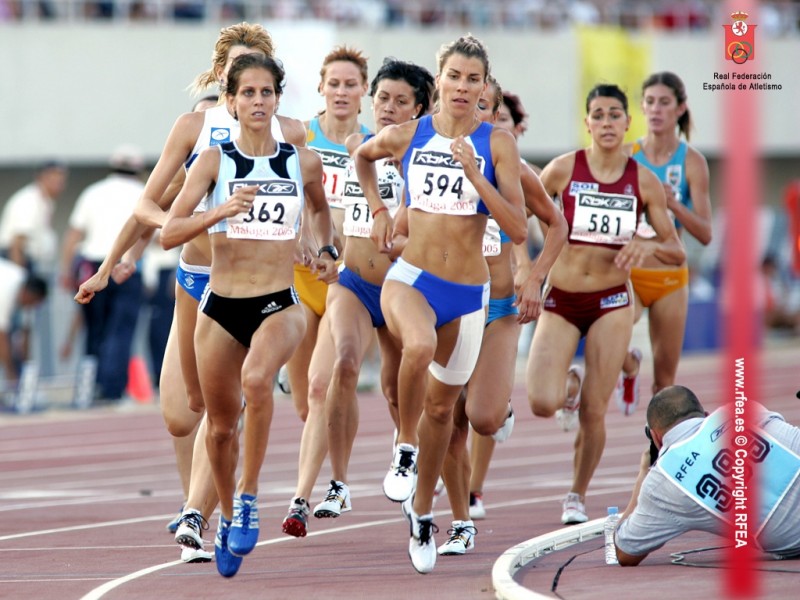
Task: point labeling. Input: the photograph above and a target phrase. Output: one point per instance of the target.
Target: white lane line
(52, 580)
(77, 502)
(115, 583)
(138, 547)
(38, 494)
(364, 490)
(99, 592)
(26, 534)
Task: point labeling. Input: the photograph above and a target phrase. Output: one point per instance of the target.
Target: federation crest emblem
(740, 45)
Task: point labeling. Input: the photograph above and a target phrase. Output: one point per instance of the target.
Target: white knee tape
(465, 353)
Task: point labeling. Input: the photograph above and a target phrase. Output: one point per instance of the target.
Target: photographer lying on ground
(690, 485)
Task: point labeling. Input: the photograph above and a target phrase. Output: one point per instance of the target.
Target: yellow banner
(612, 55)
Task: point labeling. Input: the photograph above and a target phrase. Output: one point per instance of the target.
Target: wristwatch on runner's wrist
(330, 250)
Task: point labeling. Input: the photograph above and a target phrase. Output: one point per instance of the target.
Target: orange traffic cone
(139, 385)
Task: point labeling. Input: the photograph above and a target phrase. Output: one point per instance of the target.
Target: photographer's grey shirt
(664, 512)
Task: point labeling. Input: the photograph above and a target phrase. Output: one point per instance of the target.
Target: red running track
(85, 496)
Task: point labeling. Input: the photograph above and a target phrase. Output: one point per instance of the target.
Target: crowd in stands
(776, 17)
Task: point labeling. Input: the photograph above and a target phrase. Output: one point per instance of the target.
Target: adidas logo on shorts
(270, 308)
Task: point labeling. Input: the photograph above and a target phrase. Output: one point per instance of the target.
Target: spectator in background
(20, 9)
(158, 276)
(142, 11)
(19, 289)
(27, 236)
(682, 14)
(99, 9)
(99, 214)
(189, 11)
(775, 302)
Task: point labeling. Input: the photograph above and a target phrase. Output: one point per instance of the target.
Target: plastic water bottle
(609, 527)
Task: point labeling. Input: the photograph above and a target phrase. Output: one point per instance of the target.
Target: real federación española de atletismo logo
(740, 47)
(740, 39)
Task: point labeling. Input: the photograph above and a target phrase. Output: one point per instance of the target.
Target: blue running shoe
(244, 530)
(227, 563)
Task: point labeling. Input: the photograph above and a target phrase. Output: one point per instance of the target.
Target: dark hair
(514, 105)
(607, 90)
(209, 98)
(51, 163)
(672, 405)
(674, 83)
(468, 46)
(36, 286)
(254, 61)
(419, 78)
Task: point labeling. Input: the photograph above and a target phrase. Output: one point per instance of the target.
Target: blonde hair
(468, 46)
(250, 35)
(497, 99)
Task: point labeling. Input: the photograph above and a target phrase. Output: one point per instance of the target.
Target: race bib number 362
(274, 213)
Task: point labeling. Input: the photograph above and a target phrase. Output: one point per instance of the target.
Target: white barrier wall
(77, 90)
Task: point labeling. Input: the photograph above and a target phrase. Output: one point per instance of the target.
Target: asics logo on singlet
(333, 159)
(270, 308)
(606, 201)
(582, 186)
(219, 135)
(267, 188)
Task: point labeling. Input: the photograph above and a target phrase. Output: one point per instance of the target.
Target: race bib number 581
(602, 218)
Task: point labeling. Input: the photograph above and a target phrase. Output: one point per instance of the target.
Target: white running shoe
(567, 416)
(283, 380)
(336, 501)
(574, 510)
(476, 509)
(190, 529)
(502, 434)
(462, 539)
(401, 480)
(421, 546)
(195, 555)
